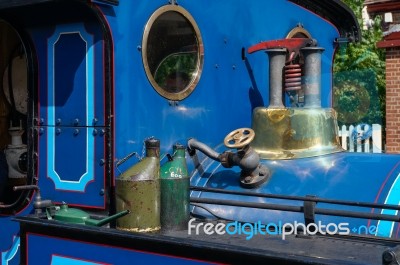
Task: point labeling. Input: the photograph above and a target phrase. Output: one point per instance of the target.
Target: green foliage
(177, 63)
(359, 76)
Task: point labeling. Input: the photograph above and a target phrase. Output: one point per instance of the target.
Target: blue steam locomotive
(183, 132)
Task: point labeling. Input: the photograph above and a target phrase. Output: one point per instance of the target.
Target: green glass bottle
(138, 190)
(175, 191)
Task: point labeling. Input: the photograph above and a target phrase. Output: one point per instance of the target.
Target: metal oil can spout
(107, 219)
(77, 216)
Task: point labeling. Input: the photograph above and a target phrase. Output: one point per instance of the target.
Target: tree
(359, 76)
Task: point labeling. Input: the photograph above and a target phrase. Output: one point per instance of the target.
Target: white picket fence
(361, 138)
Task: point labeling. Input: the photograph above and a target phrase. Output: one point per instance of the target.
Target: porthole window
(298, 32)
(172, 52)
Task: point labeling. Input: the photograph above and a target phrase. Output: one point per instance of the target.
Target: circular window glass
(172, 52)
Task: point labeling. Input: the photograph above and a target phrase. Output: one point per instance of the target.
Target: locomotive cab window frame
(16, 98)
(172, 52)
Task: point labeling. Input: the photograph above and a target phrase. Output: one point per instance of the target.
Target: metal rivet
(58, 121)
(58, 131)
(76, 131)
(76, 122)
(41, 131)
(102, 162)
(95, 132)
(173, 103)
(102, 132)
(95, 120)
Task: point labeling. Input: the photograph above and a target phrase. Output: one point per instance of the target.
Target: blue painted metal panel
(68, 79)
(342, 176)
(76, 175)
(57, 251)
(12, 255)
(76, 157)
(229, 87)
(70, 54)
(10, 239)
(72, 108)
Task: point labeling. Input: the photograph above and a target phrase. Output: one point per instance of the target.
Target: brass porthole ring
(172, 52)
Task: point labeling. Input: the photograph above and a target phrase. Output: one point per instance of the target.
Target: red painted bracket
(290, 44)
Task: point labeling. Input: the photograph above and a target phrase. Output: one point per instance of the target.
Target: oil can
(138, 190)
(175, 191)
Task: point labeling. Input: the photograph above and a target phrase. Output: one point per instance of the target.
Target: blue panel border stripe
(385, 228)
(6, 257)
(88, 176)
(58, 260)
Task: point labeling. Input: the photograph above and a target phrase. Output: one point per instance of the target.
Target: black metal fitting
(38, 203)
(391, 256)
(252, 174)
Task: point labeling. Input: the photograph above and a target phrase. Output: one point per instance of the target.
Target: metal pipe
(277, 58)
(38, 203)
(312, 76)
(193, 144)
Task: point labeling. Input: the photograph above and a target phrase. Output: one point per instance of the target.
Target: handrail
(301, 209)
(298, 198)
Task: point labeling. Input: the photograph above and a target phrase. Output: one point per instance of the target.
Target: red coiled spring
(292, 77)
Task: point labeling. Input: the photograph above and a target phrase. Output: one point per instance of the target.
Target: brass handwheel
(239, 138)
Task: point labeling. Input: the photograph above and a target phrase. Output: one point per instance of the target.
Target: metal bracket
(309, 210)
(341, 41)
